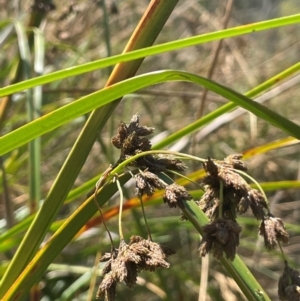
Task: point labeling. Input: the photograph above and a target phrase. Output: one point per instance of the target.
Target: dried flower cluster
(125, 263)
(131, 140)
(222, 235)
(236, 198)
(289, 284)
(226, 195)
(147, 182)
(273, 230)
(175, 195)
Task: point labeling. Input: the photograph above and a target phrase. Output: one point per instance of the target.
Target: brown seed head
(212, 170)
(107, 289)
(175, 195)
(257, 203)
(134, 126)
(238, 196)
(273, 231)
(243, 204)
(292, 293)
(209, 203)
(152, 254)
(118, 140)
(160, 163)
(234, 201)
(232, 180)
(130, 138)
(124, 264)
(234, 161)
(289, 284)
(235, 189)
(147, 182)
(222, 235)
(170, 163)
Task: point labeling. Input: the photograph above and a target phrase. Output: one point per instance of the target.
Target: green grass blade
(16, 230)
(261, 149)
(75, 288)
(39, 54)
(154, 50)
(109, 94)
(33, 146)
(33, 271)
(226, 108)
(145, 34)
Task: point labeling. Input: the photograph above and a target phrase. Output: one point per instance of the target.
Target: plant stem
(236, 268)
(145, 219)
(255, 182)
(281, 250)
(120, 210)
(184, 177)
(102, 217)
(123, 164)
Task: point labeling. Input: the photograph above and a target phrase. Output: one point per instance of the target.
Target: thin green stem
(123, 164)
(101, 214)
(121, 209)
(143, 210)
(255, 182)
(145, 219)
(184, 177)
(281, 250)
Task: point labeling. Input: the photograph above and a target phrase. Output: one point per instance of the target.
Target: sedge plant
(222, 189)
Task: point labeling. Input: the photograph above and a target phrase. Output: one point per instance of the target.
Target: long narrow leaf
(145, 34)
(33, 272)
(109, 94)
(226, 108)
(149, 51)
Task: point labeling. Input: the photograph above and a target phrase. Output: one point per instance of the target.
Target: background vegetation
(78, 32)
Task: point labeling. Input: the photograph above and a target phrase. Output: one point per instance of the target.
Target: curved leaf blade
(95, 100)
(149, 51)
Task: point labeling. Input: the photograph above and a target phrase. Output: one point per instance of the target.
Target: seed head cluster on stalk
(289, 284)
(131, 140)
(124, 263)
(226, 195)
